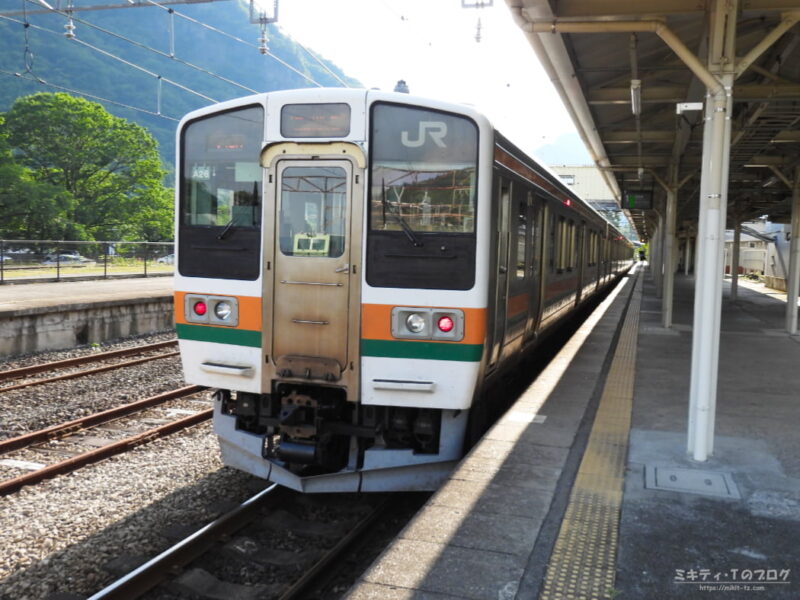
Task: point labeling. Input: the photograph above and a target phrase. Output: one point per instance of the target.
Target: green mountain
(109, 58)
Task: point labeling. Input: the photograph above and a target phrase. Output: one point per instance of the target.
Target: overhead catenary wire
(170, 55)
(113, 56)
(41, 81)
(322, 64)
(236, 39)
(159, 78)
(143, 70)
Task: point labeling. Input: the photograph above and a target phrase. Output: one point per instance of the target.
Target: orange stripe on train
(249, 311)
(376, 322)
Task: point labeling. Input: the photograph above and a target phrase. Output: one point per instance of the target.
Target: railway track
(298, 575)
(27, 372)
(69, 440)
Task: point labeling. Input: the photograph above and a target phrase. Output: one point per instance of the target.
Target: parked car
(71, 260)
(5, 258)
(169, 259)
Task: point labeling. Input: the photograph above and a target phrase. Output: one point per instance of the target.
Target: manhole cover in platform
(691, 481)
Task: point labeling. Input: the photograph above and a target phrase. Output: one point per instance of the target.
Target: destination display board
(637, 200)
(315, 120)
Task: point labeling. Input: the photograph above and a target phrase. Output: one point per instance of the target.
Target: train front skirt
(383, 470)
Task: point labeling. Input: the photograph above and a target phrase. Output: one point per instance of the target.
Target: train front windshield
(422, 205)
(220, 195)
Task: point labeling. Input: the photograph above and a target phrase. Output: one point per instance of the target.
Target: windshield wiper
(412, 237)
(225, 231)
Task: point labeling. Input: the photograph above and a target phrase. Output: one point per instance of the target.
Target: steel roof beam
(576, 9)
(630, 137)
(674, 94)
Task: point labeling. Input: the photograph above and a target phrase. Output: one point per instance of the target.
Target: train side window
(551, 253)
(561, 259)
(569, 259)
(521, 231)
(534, 234)
(596, 247)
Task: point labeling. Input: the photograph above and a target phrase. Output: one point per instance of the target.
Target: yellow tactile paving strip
(583, 562)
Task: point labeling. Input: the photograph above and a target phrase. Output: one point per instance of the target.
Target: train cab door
(314, 286)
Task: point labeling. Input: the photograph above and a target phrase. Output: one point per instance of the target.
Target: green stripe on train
(427, 350)
(220, 335)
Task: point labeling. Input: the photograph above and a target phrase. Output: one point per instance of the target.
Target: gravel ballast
(57, 536)
(32, 408)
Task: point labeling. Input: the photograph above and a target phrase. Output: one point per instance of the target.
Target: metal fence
(53, 260)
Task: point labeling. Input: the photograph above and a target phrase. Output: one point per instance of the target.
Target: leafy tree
(107, 169)
(29, 209)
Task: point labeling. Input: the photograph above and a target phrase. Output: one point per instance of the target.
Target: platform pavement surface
(687, 545)
(30, 296)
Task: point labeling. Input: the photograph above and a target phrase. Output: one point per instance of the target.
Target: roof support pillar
(670, 245)
(793, 281)
(711, 235)
(687, 257)
(737, 241)
(657, 254)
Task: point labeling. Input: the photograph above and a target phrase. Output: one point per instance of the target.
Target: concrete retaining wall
(56, 328)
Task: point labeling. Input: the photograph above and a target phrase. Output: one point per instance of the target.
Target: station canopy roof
(636, 103)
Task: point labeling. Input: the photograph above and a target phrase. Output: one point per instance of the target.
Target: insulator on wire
(263, 48)
(478, 31)
(69, 28)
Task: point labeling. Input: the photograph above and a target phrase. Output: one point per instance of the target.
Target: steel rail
(299, 588)
(80, 360)
(71, 464)
(49, 433)
(95, 371)
(153, 572)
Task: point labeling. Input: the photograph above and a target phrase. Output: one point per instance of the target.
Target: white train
(354, 267)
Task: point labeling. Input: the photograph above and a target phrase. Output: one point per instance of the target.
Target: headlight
(223, 311)
(415, 323)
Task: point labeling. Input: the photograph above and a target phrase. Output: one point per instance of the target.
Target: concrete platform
(757, 444)
(52, 316)
(491, 530)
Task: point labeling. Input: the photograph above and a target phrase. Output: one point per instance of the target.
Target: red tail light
(446, 324)
(200, 308)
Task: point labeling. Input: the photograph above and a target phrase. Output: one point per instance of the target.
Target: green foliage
(84, 173)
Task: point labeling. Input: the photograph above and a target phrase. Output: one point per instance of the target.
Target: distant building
(763, 249)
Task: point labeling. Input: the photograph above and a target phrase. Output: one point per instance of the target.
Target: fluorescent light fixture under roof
(786, 136)
(636, 96)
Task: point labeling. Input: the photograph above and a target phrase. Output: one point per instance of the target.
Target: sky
(431, 45)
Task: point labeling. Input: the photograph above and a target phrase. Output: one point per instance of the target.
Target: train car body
(354, 267)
